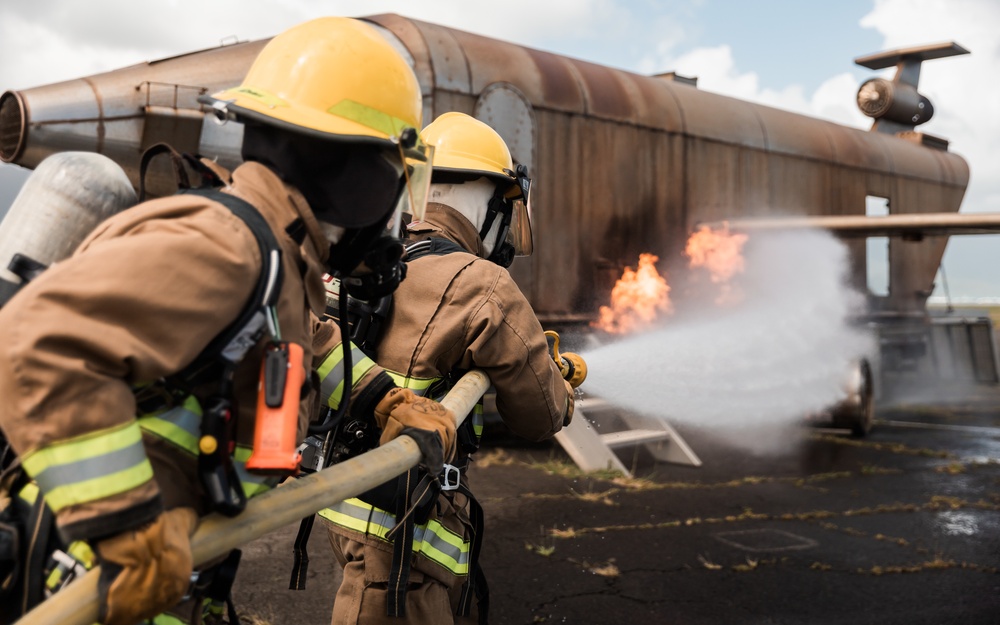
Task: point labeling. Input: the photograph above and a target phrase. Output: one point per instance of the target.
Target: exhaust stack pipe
(123, 112)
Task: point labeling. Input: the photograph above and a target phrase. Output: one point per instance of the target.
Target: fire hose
(216, 535)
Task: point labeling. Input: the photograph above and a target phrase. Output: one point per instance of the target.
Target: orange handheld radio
(278, 397)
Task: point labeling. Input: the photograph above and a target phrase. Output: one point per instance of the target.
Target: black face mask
(346, 184)
(381, 273)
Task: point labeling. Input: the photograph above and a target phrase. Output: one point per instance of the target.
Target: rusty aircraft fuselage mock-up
(623, 163)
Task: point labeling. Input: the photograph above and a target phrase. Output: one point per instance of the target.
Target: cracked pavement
(900, 527)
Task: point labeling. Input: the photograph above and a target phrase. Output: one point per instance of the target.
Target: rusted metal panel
(849, 188)
(798, 187)
(718, 118)
(754, 167)
(914, 164)
(492, 61)
(861, 150)
(623, 163)
(660, 106)
(504, 108)
(955, 171)
(710, 173)
(104, 113)
(796, 135)
(447, 59)
(604, 93)
(408, 33)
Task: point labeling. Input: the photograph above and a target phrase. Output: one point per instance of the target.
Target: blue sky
(796, 55)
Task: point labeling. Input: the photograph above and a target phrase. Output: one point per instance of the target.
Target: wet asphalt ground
(901, 527)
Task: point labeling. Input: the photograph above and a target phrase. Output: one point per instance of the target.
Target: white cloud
(45, 41)
(717, 71)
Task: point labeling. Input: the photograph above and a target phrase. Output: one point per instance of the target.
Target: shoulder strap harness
(218, 361)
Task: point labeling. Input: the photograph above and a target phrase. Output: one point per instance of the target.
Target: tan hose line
(216, 535)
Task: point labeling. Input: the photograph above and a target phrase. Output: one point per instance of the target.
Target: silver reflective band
(101, 466)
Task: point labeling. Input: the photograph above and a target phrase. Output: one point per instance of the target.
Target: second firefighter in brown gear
(331, 113)
(455, 311)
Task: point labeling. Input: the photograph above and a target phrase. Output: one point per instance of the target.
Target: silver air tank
(61, 202)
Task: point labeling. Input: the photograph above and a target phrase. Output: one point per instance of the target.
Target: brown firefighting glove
(146, 570)
(400, 409)
(570, 403)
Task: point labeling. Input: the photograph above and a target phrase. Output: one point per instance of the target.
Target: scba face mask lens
(417, 158)
(519, 234)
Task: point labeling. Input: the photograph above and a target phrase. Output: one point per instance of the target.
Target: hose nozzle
(571, 366)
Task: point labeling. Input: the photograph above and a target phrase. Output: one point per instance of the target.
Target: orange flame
(721, 253)
(636, 300)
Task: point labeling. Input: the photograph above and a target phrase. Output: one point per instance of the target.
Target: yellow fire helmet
(465, 145)
(336, 78)
(468, 148)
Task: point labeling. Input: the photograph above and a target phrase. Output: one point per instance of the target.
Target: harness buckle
(63, 568)
(450, 472)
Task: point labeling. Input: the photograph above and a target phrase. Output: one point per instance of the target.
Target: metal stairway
(599, 428)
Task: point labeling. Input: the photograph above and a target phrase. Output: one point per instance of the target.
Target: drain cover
(765, 540)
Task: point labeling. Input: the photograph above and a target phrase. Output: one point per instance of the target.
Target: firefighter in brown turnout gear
(406, 553)
(127, 444)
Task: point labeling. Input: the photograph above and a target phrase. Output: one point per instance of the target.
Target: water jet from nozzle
(782, 352)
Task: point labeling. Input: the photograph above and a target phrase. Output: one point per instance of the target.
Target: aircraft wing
(909, 226)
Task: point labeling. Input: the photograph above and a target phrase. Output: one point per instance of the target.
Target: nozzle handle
(572, 366)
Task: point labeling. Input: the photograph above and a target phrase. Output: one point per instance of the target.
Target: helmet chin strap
(472, 199)
(496, 225)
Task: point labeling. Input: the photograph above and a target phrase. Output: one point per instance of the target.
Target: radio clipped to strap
(220, 358)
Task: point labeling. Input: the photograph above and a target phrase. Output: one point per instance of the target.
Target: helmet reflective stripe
(332, 376)
(90, 467)
(370, 117)
(436, 542)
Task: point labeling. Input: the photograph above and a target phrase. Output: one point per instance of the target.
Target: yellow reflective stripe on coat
(477, 420)
(180, 425)
(419, 386)
(167, 619)
(252, 483)
(90, 467)
(79, 554)
(331, 373)
(29, 493)
(436, 542)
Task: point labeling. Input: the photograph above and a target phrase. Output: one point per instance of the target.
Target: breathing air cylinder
(61, 202)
